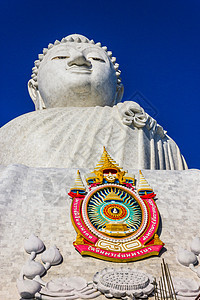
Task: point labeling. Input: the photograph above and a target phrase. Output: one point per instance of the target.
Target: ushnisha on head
(75, 72)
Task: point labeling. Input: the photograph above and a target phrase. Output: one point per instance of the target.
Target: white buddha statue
(77, 91)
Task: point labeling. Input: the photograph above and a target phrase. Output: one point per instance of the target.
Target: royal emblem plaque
(114, 220)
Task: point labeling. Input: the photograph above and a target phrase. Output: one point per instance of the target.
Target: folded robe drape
(75, 136)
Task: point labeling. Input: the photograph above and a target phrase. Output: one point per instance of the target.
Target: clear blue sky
(157, 44)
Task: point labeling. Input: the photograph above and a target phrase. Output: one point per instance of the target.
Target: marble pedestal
(34, 200)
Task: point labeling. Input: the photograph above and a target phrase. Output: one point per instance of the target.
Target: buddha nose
(77, 58)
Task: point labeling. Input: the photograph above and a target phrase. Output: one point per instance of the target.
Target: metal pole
(165, 288)
(198, 297)
(168, 282)
(160, 291)
(156, 291)
(162, 288)
(170, 278)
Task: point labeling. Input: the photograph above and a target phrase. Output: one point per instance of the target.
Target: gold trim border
(118, 260)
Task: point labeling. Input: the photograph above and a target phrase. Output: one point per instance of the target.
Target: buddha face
(77, 74)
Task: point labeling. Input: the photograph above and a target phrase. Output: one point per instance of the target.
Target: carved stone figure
(124, 283)
(77, 90)
(190, 258)
(30, 284)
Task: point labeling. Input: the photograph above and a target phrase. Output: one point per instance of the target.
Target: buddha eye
(60, 57)
(96, 58)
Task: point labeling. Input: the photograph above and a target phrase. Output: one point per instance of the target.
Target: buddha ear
(119, 93)
(35, 95)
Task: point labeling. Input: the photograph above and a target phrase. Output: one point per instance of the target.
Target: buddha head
(75, 72)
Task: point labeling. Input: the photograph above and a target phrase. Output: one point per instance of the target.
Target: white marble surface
(34, 200)
(78, 84)
(75, 72)
(75, 136)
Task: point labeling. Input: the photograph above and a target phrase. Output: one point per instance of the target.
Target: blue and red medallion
(113, 220)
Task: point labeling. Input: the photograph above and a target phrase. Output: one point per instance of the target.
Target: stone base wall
(34, 200)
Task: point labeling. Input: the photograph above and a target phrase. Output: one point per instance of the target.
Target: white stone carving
(75, 72)
(190, 258)
(57, 138)
(186, 257)
(79, 83)
(28, 288)
(59, 288)
(195, 245)
(43, 191)
(186, 288)
(33, 244)
(133, 113)
(32, 269)
(123, 282)
(76, 283)
(51, 257)
(69, 288)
